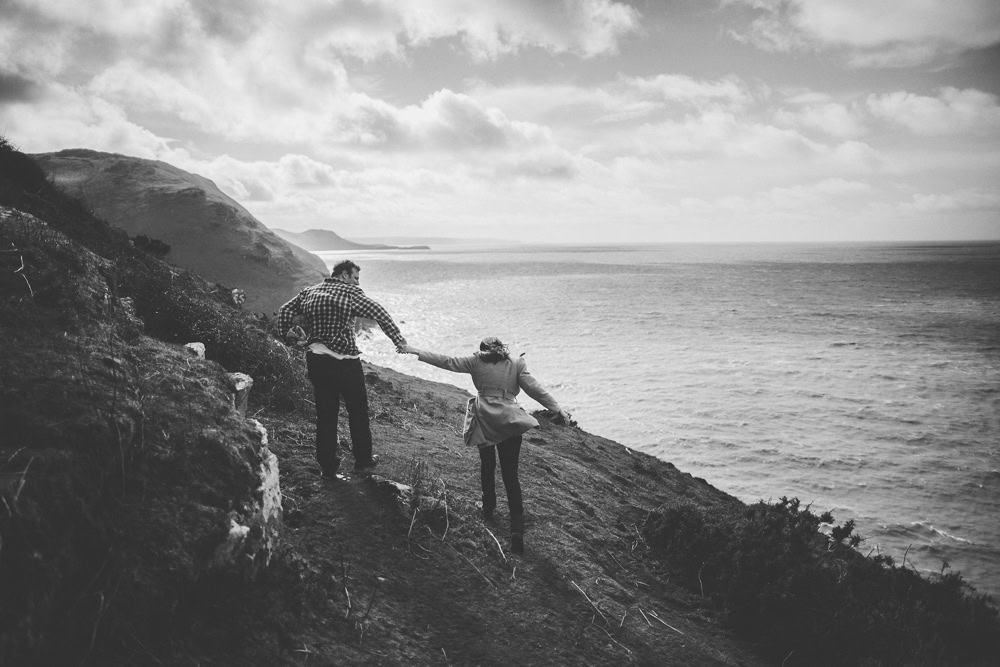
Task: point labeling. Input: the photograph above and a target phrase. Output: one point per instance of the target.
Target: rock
(226, 553)
(241, 383)
(126, 310)
(254, 532)
(197, 349)
(403, 495)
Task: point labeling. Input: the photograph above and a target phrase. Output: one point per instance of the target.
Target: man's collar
(338, 281)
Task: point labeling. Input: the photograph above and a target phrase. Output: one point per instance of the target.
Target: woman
(494, 421)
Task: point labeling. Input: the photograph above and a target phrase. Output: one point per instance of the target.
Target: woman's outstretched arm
(454, 364)
(532, 387)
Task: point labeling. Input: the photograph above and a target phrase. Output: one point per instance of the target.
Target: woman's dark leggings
(508, 451)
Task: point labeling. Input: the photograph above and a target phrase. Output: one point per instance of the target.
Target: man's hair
(345, 266)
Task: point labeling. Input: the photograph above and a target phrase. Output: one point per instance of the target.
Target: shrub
(179, 307)
(812, 599)
(154, 247)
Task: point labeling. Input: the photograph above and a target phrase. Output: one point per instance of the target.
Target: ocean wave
(923, 531)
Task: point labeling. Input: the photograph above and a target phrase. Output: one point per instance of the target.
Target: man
(327, 313)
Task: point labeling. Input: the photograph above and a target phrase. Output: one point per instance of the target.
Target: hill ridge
(203, 229)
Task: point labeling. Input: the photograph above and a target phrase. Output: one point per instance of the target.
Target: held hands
(406, 348)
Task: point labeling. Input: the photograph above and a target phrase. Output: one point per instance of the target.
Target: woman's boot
(517, 533)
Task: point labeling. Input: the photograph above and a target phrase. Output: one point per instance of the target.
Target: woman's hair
(491, 350)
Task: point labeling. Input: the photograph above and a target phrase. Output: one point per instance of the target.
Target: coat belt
(496, 393)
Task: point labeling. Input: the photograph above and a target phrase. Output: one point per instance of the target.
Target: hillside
(140, 525)
(318, 240)
(128, 478)
(206, 231)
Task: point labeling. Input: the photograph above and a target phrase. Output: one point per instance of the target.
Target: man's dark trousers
(333, 379)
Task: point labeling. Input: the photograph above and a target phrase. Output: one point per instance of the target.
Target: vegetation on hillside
(122, 460)
(174, 305)
(807, 598)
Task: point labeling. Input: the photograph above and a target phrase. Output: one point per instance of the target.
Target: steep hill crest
(207, 231)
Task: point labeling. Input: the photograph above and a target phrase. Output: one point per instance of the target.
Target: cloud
(820, 113)
(16, 88)
(953, 111)
(444, 121)
(144, 90)
(579, 109)
(70, 118)
(372, 29)
(728, 92)
(274, 73)
(874, 23)
(670, 132)
(585, 28)
(721, 134)
(232, 20)
(454, 121)
(874, 32)
(805, 196)
(953, 202)
(548, 163)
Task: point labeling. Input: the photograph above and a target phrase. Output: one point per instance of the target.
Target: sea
(862, 379)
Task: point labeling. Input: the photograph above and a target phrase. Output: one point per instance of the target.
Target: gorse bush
(179, 307)
(809, 599)
(235, 341)
(152, 246)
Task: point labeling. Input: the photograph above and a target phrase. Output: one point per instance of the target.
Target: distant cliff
(319, 240)
(206, 231)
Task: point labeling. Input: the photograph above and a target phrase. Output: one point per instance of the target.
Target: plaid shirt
(328, 310)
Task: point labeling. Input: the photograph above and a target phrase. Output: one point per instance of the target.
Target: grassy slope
(583, 593)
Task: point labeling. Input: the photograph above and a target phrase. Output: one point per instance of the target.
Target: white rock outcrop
(197, 349)
(254, 530)
(241, 383)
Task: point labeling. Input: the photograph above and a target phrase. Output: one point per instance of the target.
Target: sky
(567, 121)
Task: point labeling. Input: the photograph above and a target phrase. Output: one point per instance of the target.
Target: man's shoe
(329, 471)
(367, 466)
